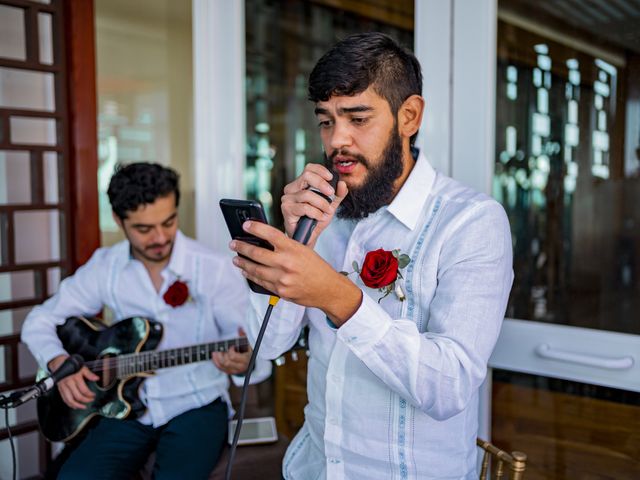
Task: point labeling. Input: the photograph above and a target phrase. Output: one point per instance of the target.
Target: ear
(410, 116)
(117, 219)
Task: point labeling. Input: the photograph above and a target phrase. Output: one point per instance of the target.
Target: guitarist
(159, 273)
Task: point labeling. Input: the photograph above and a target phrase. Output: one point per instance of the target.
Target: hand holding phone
(235, 213)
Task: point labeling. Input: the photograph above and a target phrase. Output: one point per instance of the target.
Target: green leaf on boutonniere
(355, 266)
(346, 274)
(403, 260)
(395, 253)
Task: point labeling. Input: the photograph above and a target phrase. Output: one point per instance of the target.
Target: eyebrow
(345, 110)
(145, 225)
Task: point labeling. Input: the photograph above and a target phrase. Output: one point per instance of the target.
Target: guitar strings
(137, 360)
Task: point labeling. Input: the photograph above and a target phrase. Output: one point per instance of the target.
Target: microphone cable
(302, 234)
(273, 300)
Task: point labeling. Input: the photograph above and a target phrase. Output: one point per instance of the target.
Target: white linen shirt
(113, 278)
(393, 393)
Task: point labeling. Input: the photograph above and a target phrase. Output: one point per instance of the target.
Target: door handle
(544, 350)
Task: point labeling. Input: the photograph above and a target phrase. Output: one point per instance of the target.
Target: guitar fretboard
(143, 362)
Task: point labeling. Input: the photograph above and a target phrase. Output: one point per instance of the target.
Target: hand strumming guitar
(73, 389)
(233, 362)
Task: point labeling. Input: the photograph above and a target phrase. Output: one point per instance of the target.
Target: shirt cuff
(366, 327)
(45, 355)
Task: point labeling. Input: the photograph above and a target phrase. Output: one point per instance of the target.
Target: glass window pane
(11, 320)
(26, 89)
(33, 131)
(16, 286)
(51, 177)
(4, 241)
(12, 38)
(45, 40)
(37, 236)
(29, 446)
(4, 370)
(15, 177)
(27, 365)
(573, 211)
(53, 280)
(144, 93)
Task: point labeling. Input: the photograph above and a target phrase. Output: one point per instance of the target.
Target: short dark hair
(367, 59)
(137, 184)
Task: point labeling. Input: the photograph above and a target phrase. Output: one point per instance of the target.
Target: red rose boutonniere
(177, 294)
(381, 269)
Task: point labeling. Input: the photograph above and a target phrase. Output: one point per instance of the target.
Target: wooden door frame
(82, 179)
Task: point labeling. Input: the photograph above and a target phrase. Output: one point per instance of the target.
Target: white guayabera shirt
(393, 393)
(113, 278)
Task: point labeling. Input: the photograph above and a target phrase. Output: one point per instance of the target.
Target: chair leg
(485, 466)
(518, 466)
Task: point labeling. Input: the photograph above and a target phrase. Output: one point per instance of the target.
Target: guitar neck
(144, 362)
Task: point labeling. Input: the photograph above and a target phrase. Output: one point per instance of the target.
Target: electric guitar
(122, 355)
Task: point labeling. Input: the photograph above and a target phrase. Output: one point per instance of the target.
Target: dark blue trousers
(187, 447)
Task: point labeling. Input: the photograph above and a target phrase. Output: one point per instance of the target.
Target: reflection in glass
(15, 177)
(12, 38)
(33, 131)
(26, 89)
(560, 173)
(37, 236)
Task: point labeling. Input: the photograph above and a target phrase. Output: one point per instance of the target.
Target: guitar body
(115, 398)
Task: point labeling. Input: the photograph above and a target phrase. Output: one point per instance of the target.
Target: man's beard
(377, 189)
(144, 253)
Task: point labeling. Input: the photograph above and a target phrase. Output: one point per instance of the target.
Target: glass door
(566, 376)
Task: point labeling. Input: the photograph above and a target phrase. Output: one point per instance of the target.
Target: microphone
(70, 366)
(306, 225)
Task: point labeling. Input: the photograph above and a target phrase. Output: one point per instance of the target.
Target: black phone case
(235, 213)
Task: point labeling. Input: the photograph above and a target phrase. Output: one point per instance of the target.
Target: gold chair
(516, 461)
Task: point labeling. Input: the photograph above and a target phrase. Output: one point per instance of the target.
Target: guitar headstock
(301, 346)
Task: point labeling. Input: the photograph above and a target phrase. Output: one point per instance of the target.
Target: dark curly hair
(136, 184)
(367, 59)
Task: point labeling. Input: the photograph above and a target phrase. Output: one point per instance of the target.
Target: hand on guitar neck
(233, 362)
(73, 389)
(76, 394)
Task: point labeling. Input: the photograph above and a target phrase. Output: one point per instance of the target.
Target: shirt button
(333, 421)
(334, 460)
(335, 378)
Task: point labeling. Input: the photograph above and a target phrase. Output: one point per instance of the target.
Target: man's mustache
(345, 153)
(158, 245)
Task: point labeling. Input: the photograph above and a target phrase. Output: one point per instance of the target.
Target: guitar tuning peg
(294, 356)
(308, 353)
(280, 361)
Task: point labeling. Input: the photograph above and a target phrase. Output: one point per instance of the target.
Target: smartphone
(235, 213)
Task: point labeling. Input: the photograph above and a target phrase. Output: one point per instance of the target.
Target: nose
(340, 136)
(160, 236)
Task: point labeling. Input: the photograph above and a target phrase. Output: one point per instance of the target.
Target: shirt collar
(408, 203)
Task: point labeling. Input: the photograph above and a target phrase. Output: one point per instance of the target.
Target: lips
(344, 165)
